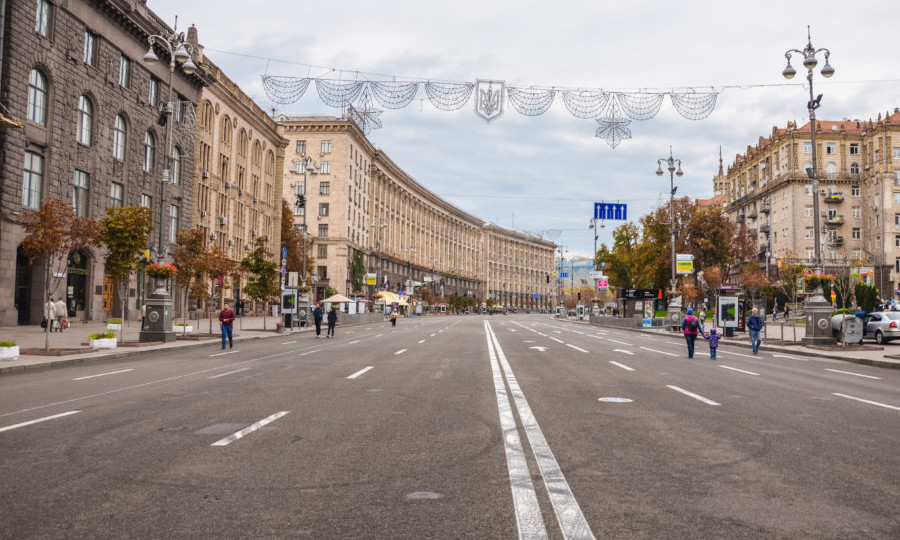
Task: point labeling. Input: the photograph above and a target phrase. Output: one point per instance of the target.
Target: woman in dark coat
(332, 321)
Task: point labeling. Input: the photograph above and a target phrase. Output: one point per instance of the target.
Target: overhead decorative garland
(606, 107)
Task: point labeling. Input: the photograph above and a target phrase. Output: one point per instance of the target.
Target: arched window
(270, 163)
(176, 165)
(149, 151)
(257, 154)
(37, 98)
(243, 143)
(120, 134)
(208, 116)
(85, 120)
(226, 130)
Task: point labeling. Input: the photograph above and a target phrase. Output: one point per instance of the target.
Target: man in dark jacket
(754, 325)
(318, 313)
(332, 322)
(226, 318)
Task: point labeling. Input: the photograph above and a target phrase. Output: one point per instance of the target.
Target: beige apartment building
(360, 205)
(239, 157)
(858, 163)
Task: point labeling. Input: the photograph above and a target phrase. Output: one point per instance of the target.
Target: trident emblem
(489, 99)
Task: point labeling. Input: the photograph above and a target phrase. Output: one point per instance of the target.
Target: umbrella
(337, 298)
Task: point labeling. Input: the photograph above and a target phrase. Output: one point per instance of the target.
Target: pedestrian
(49, 314)
(713, 342)
(226, 317)
(394, 318)
(61, 313)
(755, 324)
(143, 315)
(332, 322)
(702, 319)
(691, 327)
(318, 313)
(787, 311)
(861, 314)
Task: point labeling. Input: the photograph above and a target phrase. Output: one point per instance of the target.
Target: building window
(897, 240)
(323, 209)
(895, 152)
(32, 180)
(854, 191)
(831, 148)
(856, 211)
(810, 253)
(153, 96)
(326, 147)
(854, 149)
(149, 152)
(854, 168)
(119, 136)
(808, 232)
(299, 210)
(322, 272)
(90, 48)
(173, 223)
(80, 193)
(325, 167)
(125, 72)
(808, 188)
(809, 211)
(323, 230)
(116, 194)
(37, 98)
(807, 148)
(831, 171)
(301, 147)
(146, 201)
(322, 251)
(43, 18)
(324, 188)
(179, 109)
(85, 120)
(856, 233)
(176, 166)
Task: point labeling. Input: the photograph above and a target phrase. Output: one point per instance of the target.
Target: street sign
(596, 274)
(283, 271)
(603, 210)
(371, 279)
(563, 274)
(284, 253)
(684, 267)
(603, 284)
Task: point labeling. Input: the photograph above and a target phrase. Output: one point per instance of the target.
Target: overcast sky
(544, 173)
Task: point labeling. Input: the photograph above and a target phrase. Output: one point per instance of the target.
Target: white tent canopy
(337, 299)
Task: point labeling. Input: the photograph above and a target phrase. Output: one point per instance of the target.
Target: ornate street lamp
(670, 166)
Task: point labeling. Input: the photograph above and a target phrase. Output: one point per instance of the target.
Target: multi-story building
(239, 158)
(769, 189)
(72, 74)
(359, 205)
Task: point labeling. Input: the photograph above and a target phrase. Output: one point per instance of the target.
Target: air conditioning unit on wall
(223, 221)
(203, 213)
(213, 236)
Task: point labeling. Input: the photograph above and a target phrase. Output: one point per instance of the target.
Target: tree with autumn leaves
(200, 265)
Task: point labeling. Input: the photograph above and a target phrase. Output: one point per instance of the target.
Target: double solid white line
(528, 513)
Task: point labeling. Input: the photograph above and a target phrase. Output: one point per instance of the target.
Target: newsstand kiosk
(730, 312)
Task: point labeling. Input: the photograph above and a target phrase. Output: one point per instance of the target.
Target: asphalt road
(453, 427)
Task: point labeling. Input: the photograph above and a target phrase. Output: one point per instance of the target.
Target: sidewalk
(71, 345)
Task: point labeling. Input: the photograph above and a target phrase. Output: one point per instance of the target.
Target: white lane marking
(249, 429)
(623, 366)
(528, 511)
(739, 354)
(288, 342)
(568, 514)
(308, 352)
(788, 357)
(691, 394)
(44, 419)
(401, 351)
(102, 374)
(360, 372)
(867, 401)
(577, 332)
(432, 335)
(854, 374)
(224, 353)
(623, 351)
(660, 352)
(529, 341)
(512, 329)
(670, 343)
(538, 347)
(421, 341)
(557, 340)
(352, 342)
(378, 335)
(576, 348)
(740, 370)
(558, 331)
(229, 373)
(621, 342)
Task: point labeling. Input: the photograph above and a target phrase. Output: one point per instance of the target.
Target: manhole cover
(614, 400)
(423, 496)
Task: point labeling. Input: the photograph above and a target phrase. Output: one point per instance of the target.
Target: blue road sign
(284, 253)
(611, 211)
(563, 274)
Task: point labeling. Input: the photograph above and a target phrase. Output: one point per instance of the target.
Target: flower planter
(115, 327)
(105, 343)
(9, 353)
(186, 329)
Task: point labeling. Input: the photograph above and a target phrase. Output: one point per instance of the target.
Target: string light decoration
(614, 126)
(365, 116)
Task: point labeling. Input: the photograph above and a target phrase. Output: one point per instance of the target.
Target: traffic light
(579, 297)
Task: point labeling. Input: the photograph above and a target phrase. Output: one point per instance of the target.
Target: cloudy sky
(542, 174)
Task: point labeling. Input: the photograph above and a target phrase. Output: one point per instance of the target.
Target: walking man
(318, 313)
(754, 325)
(332, 321)
(49, 314)
(226, 317)
(691, 327)
(61, 313)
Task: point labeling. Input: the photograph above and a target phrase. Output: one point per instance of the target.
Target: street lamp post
(593, 226)
(309, 167)
(670, 166)
(809, 62)
(379, 234)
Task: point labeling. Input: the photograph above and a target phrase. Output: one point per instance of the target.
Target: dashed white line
(352, 342)
(557, 340)
(729, 353)
(401, 351)
(308, 352)
(739, 370)
(788, 357)
(623, 351)
(421, 341)
(229, 373)
(623, 366)
(224, 353)
(854, 374)
(102, 374)
(288, 342)
(249, 429)
(576, 348)
(867, 401)
(660, 352)
(432, 335)
(620, 342)
(693, 395)
(360, 372)
(44, 419)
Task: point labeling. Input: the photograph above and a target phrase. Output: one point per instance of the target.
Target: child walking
(713, 339)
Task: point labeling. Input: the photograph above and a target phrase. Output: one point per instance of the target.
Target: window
(832, 254)
(153, 96)
(323, 209)
(896, 198)
(807, 148)
(125, 72)
(324, 188)
(299, 210)
(854, 191)
(173, 223)
(808, 189)
(854, 149)
(326, 147)
(808, 232)
(897, 240)
(116, 194)
(856, 233)
(323, 230)
(831, 171)
(896, 220)
(325, 167)
(43, 17)
(810, 253)
(322, 251)
(149, 152)
(119, 136)
(85, 120)
(895, 152)
(322, 272)
(831, 148)
(854, 168)
(856, 211)
(857, 255)
(179, 109)
(90, 48)
(176, 166)
(146, 201)
(301, 147)
(80, 193)
(809, 211)
(37, 98)
(32, 180)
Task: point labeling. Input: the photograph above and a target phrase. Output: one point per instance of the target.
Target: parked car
(572, 313)
(882, 326)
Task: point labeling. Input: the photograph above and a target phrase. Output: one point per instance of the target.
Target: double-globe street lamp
(673, 171)
(308, 167)
(809, 62)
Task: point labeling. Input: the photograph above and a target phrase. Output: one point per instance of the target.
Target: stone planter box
(186, 329)
(114, 327)
(9, 353)
(106, 343)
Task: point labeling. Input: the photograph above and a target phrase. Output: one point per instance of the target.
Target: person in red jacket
(691, 327)
(226, 317)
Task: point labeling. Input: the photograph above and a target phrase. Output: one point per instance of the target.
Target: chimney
(193, 40)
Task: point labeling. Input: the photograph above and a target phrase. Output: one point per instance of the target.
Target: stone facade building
(72, 74)
(360, 205)
(769, 190)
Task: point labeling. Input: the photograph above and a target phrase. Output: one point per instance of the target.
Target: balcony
(837, 241)
(740, 219)
(765, 209)
(834, 198)
(834, 220)
(765, 229)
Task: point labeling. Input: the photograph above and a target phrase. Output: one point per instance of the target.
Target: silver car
(882, 326)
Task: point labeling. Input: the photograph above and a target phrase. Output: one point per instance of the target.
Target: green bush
(865, 296)
(113, 321)
(104, 335)
(7, 343)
